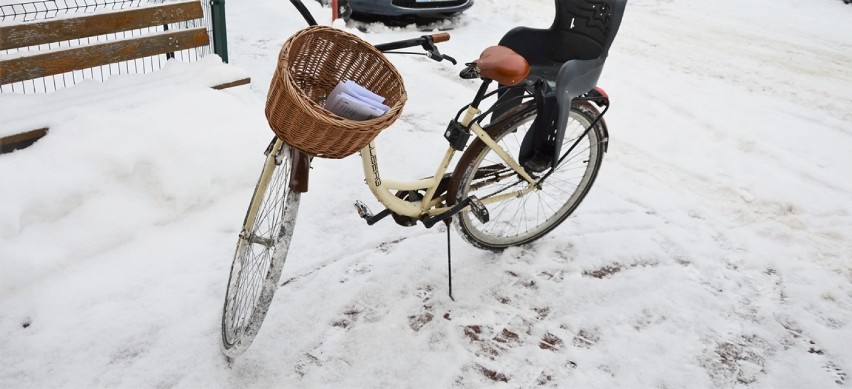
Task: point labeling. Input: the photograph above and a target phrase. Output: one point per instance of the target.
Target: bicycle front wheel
(519, 220)
(261, 250)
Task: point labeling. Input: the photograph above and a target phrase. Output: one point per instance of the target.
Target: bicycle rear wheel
(261, 250)
(519, 220)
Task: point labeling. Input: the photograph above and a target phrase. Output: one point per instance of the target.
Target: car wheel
(344, 10)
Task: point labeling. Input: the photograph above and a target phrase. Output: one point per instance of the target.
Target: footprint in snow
(425, 315)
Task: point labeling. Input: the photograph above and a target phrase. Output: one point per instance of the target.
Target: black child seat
(568, 57)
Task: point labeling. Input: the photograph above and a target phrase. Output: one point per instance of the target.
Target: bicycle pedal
(479, 210)
(367, 215)
(363, 211)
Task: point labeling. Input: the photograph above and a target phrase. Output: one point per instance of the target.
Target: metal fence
(26, 11)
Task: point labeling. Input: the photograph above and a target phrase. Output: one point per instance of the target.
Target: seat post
(480, 95)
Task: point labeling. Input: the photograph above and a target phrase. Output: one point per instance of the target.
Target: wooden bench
(26, 65)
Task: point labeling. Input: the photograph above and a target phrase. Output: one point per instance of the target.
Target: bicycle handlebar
(426, 41)
(304, 12)
(440, 37)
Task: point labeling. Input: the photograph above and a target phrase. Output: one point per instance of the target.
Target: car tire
(344, 10)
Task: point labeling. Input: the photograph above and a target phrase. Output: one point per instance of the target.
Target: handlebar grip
(440, 37)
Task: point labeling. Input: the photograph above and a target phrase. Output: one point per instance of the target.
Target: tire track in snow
(810, 71)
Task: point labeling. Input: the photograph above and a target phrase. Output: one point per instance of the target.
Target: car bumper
(410, 7)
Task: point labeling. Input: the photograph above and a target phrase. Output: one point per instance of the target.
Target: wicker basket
(312, 62)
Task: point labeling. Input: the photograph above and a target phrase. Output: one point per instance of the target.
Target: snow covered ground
(713, 251)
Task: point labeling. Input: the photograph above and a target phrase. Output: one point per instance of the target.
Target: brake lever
(433, 53)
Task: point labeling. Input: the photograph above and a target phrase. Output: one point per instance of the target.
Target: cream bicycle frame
(428, 206)
(262, 183)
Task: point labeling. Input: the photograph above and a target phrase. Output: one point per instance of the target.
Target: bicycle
(499, 201)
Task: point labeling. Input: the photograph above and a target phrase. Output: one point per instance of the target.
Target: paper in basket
(353, 101)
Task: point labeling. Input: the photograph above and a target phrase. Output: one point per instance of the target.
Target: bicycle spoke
(257, 260)
(524, 218)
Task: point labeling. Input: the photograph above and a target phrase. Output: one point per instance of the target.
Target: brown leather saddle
(502, 64)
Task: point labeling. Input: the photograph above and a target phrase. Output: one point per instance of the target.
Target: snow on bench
(23, 124)
(26, 118)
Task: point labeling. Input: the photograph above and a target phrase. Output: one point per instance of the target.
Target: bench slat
(57, 30)
(19, 141)
(242, 81)
(60, 61)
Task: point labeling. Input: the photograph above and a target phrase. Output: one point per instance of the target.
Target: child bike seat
(581, 30)
(570, 56)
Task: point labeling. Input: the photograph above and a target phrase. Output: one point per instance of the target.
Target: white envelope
(351, 107)
(353, 101)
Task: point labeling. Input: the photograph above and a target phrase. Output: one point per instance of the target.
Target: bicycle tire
(523, 219)
(261, 251)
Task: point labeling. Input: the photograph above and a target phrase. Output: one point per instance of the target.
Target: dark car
(401, 9)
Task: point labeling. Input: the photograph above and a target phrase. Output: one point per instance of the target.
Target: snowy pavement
(713, 250)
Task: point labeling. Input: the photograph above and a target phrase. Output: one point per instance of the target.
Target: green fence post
(220, 33)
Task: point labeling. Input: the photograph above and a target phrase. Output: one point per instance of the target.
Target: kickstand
(449, 259)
